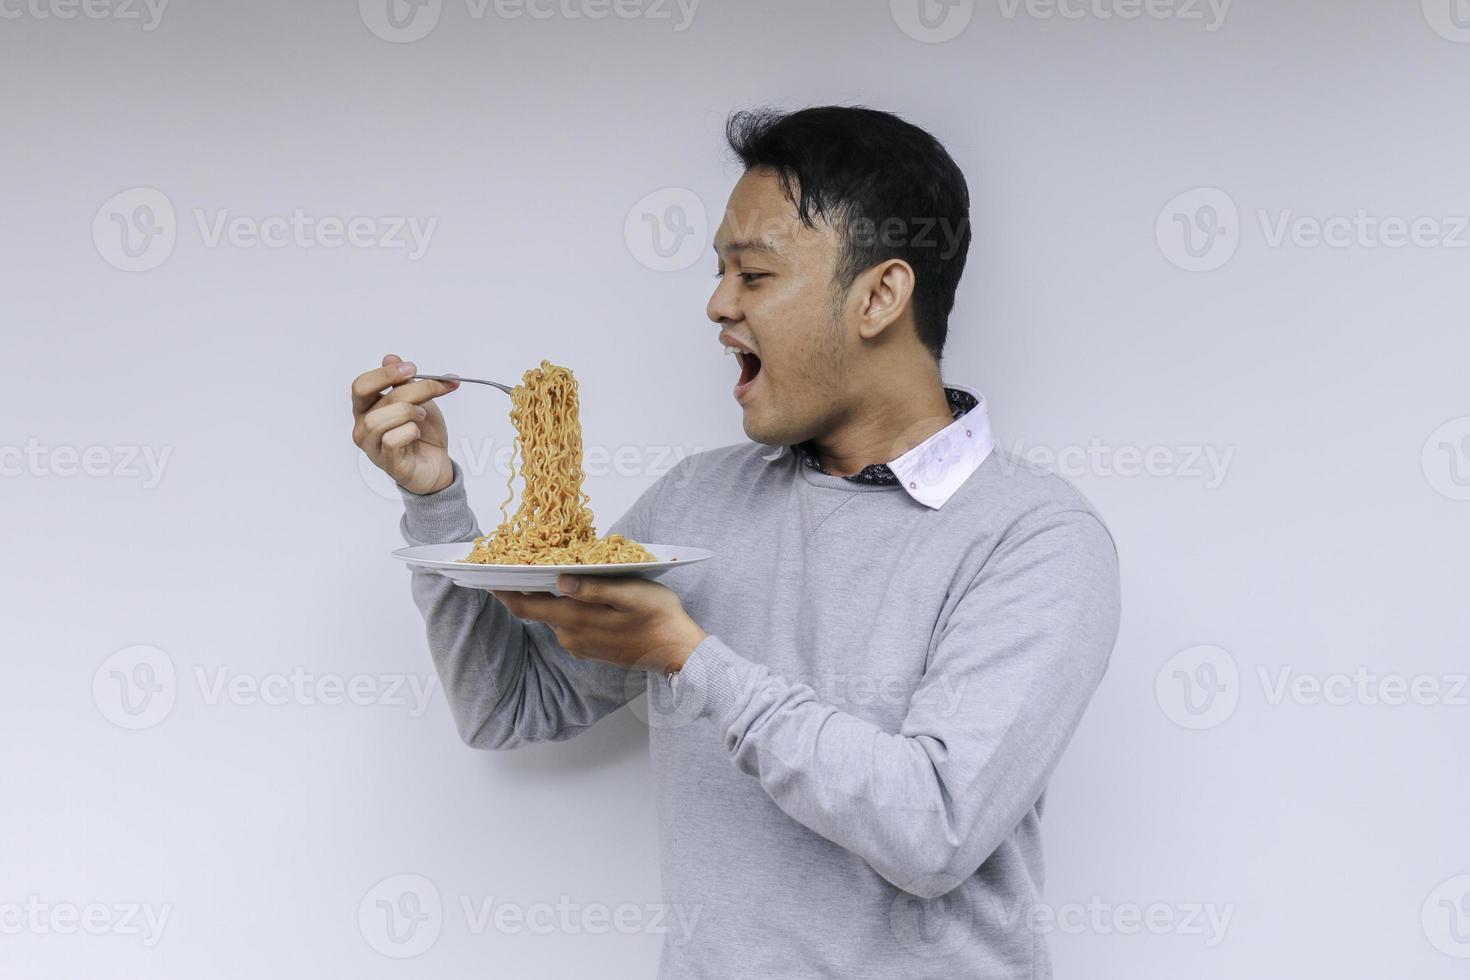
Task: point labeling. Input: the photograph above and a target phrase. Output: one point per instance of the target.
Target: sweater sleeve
(508, 681)
(1011, 673)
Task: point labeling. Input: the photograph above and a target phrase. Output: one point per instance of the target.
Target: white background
(1332, 541)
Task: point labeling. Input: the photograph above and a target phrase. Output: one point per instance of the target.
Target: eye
(750, 277)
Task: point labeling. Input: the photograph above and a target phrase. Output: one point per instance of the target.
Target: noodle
(552, 525)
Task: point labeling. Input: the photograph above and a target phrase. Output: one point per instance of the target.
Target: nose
(723, 307)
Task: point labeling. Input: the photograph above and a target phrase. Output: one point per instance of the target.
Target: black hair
(889, 188)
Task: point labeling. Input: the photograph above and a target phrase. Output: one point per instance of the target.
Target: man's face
(774, 301)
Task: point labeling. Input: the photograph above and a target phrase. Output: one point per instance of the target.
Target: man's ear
(883, 293)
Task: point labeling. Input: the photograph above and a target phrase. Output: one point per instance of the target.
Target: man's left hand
(630, 622)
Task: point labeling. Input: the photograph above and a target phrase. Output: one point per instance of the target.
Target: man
(856, 705)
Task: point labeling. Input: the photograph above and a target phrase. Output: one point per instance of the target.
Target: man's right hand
(403, 432)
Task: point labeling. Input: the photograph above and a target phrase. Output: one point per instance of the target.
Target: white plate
(444, 559)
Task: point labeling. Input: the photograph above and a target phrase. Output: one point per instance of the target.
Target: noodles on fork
(553, 524)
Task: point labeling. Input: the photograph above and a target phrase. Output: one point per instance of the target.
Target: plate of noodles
(551, 532)
(448, 560)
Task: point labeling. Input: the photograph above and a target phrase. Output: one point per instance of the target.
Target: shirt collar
(933, 470)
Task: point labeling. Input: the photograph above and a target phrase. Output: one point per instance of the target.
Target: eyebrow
(748, 245)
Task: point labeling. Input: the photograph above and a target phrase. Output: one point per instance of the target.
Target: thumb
(620, 593)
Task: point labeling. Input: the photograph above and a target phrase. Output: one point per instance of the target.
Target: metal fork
(473, 381)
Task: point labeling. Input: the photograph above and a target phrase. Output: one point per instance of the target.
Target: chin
(756, 432)
(770, 435)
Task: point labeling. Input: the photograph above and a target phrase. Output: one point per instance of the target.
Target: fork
(474, 381)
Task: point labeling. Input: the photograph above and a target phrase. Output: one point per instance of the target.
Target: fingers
(401, 437)
(391, 425)
(418, 392)
(366, 387)
(542, 607)
(620, 592)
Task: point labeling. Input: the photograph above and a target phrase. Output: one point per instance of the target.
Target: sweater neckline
(828, 481)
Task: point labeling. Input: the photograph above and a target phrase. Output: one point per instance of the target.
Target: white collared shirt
(933, 470)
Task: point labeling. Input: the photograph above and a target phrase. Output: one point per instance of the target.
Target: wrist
(681, 650)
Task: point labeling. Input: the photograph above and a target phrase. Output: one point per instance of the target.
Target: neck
(899, 409)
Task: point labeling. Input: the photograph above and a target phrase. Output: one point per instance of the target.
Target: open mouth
(750, 366)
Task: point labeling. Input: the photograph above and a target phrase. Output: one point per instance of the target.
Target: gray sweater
(852, 767)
